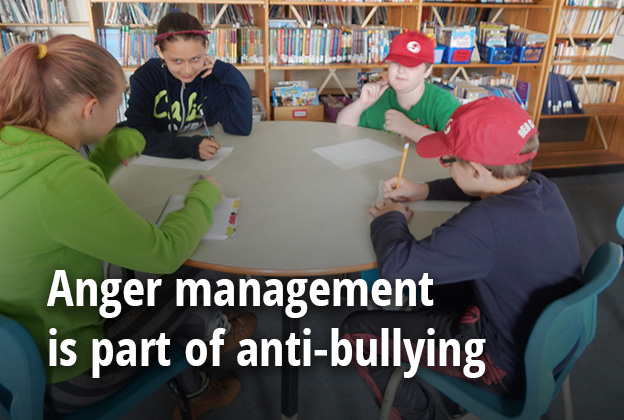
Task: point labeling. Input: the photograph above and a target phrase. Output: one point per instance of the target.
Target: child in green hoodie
(57, 212)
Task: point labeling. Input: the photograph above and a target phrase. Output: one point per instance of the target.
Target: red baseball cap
(490, 131)
(411, 49)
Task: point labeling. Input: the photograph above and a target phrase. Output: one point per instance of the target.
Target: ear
(88, 108)
(428, 71)
(479, 171)
(160, 53)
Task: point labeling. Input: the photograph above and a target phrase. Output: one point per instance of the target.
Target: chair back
(558, 338)
(619, 223)
(564, 329)
(22, 375)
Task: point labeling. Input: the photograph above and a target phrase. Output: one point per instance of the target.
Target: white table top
(300, 214)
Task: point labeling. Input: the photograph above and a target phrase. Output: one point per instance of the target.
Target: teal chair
(619, 223)
(559, 337)
(23, 381)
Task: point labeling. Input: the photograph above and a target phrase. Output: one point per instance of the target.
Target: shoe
(243, 327)
(220, 392)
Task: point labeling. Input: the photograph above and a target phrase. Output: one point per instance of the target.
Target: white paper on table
(187, 163)
(452, 206)
(358, 152)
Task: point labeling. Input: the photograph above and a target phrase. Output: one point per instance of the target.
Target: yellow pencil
(403, 159)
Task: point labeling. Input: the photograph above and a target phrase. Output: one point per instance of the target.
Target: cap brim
(402, 60)
(433, 146)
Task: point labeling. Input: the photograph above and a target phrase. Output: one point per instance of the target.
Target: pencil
(403, 159)
(205, 125)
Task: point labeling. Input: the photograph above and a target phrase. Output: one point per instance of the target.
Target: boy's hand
(208, 148)
(208, 65)
(398, 122)
(407, 191)
(371, 92)
(380, 208)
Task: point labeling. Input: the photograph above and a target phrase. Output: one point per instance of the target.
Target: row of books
(594, 3)
(294, 93)
(456, 16)
(235, 14)
(33, 11)
(134, 13)
(133, 47)
(236, 45)
(469, 92)
(560, 97)
(332, 15)
(596, 91)
(583, 21)
(12, 38)
(481, 85)
(130, 46)
(330, 45)
(563, 48)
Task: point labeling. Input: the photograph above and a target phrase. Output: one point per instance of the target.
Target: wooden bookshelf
(542, 16)
(602, 143)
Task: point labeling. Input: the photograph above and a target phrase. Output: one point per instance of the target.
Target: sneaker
(243, 327)
(220, 392)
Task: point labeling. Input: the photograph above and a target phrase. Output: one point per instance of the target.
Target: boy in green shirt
(405, 104)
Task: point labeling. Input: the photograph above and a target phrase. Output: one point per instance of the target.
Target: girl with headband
(185, 89)
(60, 219)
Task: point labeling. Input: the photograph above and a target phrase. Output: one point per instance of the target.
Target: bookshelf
(600, 146)
(582, 37)
(36, 20)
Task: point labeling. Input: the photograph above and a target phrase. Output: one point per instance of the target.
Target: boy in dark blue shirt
(495, 265)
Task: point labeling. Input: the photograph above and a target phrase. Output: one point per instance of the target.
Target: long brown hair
(36, 81)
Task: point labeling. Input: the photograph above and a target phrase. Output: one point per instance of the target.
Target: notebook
(224, 220)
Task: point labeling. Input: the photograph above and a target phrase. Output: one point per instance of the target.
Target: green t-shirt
(432, 111)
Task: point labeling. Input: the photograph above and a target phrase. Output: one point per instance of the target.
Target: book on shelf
(294, 95)
(523, 89)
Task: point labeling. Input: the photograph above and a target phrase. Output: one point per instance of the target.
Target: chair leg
(181, 400)
(391, 388)
(567, 399)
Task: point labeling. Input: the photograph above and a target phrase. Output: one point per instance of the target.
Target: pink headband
(166, 35)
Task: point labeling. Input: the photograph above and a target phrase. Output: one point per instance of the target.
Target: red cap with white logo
(411, 49)
(490, 131)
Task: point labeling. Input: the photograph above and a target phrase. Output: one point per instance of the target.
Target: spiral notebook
(224, 220)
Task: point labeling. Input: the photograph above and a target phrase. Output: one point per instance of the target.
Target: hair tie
(43, 50)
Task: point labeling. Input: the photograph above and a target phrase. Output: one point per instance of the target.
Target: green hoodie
(57, 212)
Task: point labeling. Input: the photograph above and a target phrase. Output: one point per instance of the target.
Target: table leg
(290, 374)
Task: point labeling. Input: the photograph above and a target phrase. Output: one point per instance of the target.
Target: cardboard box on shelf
(298, 113)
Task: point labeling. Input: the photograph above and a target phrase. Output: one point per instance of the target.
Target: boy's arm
(139, 115)
(229, 101)
(351, 114)
(447, 189)
(463, 248)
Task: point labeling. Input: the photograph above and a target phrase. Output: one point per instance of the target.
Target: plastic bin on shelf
(457, 55)
(496, 55)
(437, 54)
(528, 54)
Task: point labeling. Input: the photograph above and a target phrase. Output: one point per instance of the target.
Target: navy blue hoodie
(155, 108)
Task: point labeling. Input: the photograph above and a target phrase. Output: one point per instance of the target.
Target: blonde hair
(34, 86)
